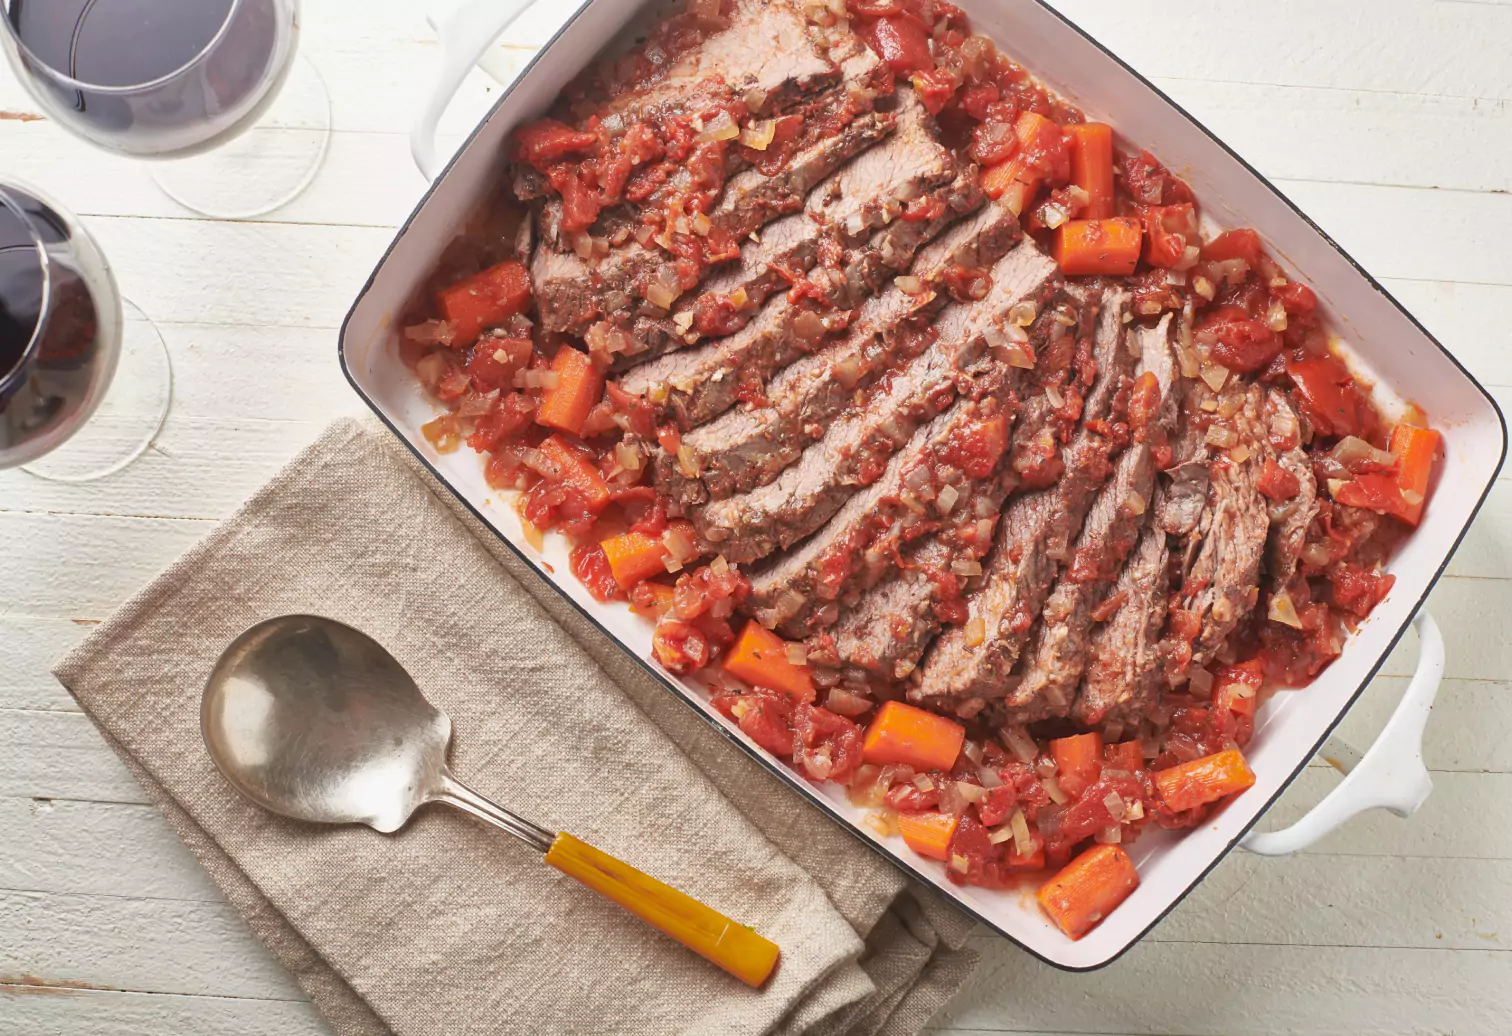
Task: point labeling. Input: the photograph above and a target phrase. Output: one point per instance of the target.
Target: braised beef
(1123, 662)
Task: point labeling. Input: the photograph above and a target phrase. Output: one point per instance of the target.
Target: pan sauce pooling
(924, 425)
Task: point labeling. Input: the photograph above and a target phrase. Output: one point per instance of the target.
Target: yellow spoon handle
(702, 929)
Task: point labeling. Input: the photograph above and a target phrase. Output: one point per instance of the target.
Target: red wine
(117, 42)
(20, 289)
(157, 77)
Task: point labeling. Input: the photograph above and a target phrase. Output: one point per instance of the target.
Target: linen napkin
(449, 926)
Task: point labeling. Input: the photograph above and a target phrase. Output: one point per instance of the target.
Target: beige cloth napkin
(449, 927)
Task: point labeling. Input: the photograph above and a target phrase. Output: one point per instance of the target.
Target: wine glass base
(130, 415)
(264, 168)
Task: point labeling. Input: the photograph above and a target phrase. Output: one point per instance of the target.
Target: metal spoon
(313, 719)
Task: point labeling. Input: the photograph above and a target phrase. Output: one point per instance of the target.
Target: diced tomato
(1234, 244)
(1374, 492)
(592, 570)
(680, 646)
(977, 100)
(703, 591)
(1236, 687)
(495, 362)
(1276, 482)
(1078, 762)
(651, 600)
(901, 40)
(765, 717)
(1297, 299)
(580, 204)
(977, 447)
(514, 412)
(935, 88)
(1168, 230)
(826, 746)
(577, 471)
(1331, 398)
(971, 856)
(1126, 755)
(1358, 590)
(1244, 344)
(1151, 183)
(545, 142)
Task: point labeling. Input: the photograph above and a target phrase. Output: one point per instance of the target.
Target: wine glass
(210, 88)
(64, 330)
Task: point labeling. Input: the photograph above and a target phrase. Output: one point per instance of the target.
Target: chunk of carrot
(579, 387)
(485, 299)
(635, 556)
(1088, 889)
(1078, 762)
(1189, 785)
(928, 834)
(577, 472)
(1126, 755)
(1416, 451)
(1098, 246)
(901, 733)
(651, 600)
(1092, 166)
(759, 657)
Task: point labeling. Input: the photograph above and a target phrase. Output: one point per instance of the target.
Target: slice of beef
(1123, 668)
(926, 593)
(731, 298)
(1289, 519)
(767, 47)
(697, 385)
(572, 291)
(1186, 493)
(853, 452)
(1054, 662)
(800, 592)
(1222, 583)
(871, 191)
(975, 243)
(972, 664)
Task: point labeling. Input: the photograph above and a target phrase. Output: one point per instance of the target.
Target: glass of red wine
(64, 331)
(212, 88)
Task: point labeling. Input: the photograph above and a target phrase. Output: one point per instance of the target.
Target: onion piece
(1053, 789)
(1018, 741)
(967, 568)
(1282, 610)
(1204, 287)
(1054, 396)
(1117, 808)
(999, 835)
(976, 631)
(1023, 313)
(909, 285)
(542, 379)
(959, 863)
(1109, 835)
(1223, 438)
(681, 547)
(1134, 504)
(1239, 454)
(989, 777)
(720, 127)
(1215, 374)
(1021, 840)
(946, 501)
(1275, 316)
(758, 135)
(1351, 450)
(797, 654)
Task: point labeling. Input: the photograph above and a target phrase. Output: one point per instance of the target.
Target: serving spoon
(313, 719)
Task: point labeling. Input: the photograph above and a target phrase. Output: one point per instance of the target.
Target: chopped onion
(1023, 313)
(989, 777)
(1275, 316)
(972, 750)
(947, 500)
(1204, 287)
(1239, 454)
(1117, 808)
(721, 127)
(541, 379)
(1053, 789)
(1282, 610)
(909, 285)
(959, 863)
(671, 564)
(1411, 497)
(924, 783)
(1018, 741)
(683, 320)
(1336, 484)
(659, 295)
(1054, 396)
(1019, 356)
(1351, 450)
(739, 298)
(478, 404)
(1053, 216)
(999, 835)
(1233, 270)
(1223, 438)
(676, 541)
(846, 703)
(431, 332)
(702, 224)
(1021, 840)
(1189, 258)
(1215, 374)
(431, 368)
(1063, 317)
(1134, 504)
(976, 631)
(883, 822)
(1135, 810)
(984, 525)
(966, 567)
(970, 792)
(1109, 835)
(688, 461)
(758, 135)
(808, 326)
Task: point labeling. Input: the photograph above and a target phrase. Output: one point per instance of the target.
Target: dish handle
(1391, 775)
(467, 36)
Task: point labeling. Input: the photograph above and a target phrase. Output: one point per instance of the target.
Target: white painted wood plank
(153, 945)
(42, 1010)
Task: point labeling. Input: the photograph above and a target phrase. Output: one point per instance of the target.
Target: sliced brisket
(1033, 537)
(1123, 670)
(1054, 662)
(800, 591)
(1289, 519)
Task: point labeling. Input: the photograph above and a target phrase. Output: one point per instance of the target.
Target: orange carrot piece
(997, 179)
(1088, 889)
(579, 387)
(635, 556)
(1092, 166)
(1126, 755)
(759, 657)
(578, 472)
(484, 300)
(1189, 785)
(1098, 246)
(901, 733)
(1416, 452)
(1078, 762)
(928, 834)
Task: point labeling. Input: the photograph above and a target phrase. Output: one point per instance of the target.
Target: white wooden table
(1389, 121)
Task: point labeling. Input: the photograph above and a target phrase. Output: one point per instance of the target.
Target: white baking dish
(1388, 341)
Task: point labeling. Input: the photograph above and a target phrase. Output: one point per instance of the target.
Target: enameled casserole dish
(1390, 347)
